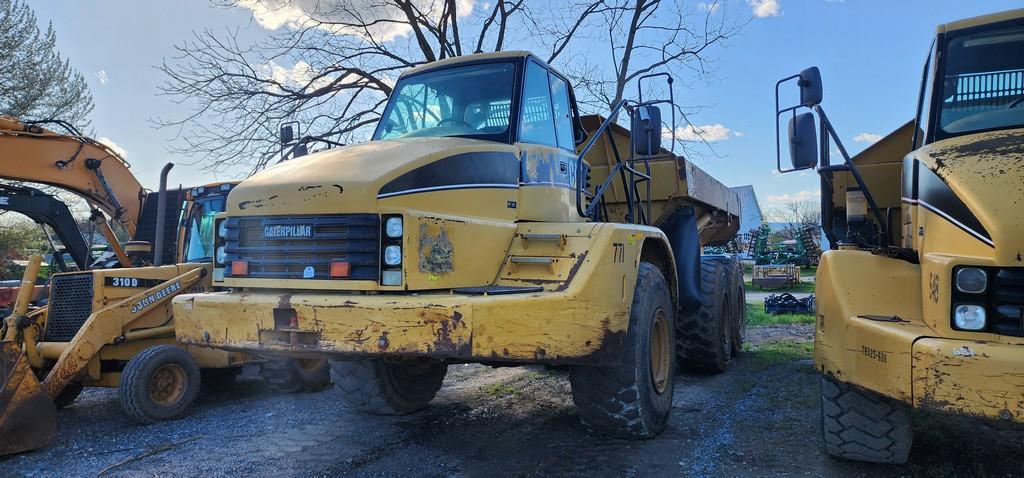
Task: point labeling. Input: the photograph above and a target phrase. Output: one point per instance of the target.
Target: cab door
(547, 148)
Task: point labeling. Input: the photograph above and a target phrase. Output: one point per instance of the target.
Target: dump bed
(675, 183)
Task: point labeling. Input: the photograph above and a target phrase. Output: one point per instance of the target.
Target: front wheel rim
(660, 357)
(168, 384)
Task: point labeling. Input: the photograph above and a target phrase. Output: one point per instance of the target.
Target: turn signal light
(239, 268)
(340, 269)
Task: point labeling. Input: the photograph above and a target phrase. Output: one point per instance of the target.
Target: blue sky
(870, 53)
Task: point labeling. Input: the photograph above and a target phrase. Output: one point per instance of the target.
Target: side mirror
(803, 141)
(300, 150)
(810, 87)
(645, 130)
(287, 134)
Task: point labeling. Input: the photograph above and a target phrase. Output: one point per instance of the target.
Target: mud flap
(28, 417)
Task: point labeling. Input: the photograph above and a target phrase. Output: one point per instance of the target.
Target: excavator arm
(29, 152)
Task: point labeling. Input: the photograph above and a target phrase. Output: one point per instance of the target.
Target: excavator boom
(29, 152)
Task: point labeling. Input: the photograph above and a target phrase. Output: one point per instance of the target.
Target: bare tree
(36, 83)
(346, 55)
(797, 216)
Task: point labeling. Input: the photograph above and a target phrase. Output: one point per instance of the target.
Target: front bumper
(979, 379)
(541, 327)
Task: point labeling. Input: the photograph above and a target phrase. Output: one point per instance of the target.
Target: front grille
(352, 238)
(1006, 301)
(69, 306)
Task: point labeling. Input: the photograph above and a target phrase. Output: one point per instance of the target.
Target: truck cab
(920, 307)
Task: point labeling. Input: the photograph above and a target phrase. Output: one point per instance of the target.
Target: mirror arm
(852, 168)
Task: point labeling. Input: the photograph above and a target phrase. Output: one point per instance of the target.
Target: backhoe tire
(633, 398)
(159, 383)
(706, 335)
(294, 375)
(863, 426)
(68, 396)
(386, 387)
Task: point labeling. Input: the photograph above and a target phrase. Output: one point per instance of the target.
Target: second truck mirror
(645, 130)
(803, 141)
(287, 134)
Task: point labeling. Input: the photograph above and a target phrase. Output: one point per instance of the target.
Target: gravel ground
(759, 419)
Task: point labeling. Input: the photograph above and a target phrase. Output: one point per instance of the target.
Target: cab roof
(981, 20)
(496, 55)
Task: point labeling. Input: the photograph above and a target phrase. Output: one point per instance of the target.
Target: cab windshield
(199, 245)
(470, 101)
(983, 82)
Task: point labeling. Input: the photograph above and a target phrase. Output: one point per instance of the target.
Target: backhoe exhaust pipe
(161, 216)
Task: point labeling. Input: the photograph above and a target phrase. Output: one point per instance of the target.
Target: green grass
(757, 316)
(500, 390)
(801, 287)
(775, 353)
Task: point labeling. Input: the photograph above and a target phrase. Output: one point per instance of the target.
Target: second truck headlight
(393, 255)
(393, 227)
(971, 280)
(969, 317)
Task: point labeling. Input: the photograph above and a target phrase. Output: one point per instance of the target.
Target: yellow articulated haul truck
(921, 307)
(112, 326)
(487, 222)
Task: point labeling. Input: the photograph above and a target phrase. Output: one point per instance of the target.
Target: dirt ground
(758, 419)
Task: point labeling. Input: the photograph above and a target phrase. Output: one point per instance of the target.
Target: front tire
(633, 398)
(159, 383)
(863, 426)
(383, 387)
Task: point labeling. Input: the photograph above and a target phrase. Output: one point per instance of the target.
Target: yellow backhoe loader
(113, 327)
(488, 222)
(920, 304)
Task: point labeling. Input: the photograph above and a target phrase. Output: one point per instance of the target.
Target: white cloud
(102, 75)
(765, 8)
(799, 196)
(737, 134)
(298, 76)
(389, 22)
(709, 132)
(112, 145)
(709, 6)
(867, 138)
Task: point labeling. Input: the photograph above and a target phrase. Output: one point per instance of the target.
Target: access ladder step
(558, 239)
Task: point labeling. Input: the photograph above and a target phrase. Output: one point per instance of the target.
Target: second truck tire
(385, 387)
(633, 398)
(860, 425)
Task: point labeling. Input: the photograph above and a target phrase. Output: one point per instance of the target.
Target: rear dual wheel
(294, 375)
(712, 334)
(388, 387)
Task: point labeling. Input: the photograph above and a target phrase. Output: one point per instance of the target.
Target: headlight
(969, 317)
(221, 255)
(393, 255)
(393, 227)
(971, 280)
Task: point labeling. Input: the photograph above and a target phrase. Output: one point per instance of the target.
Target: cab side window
(537, 121)
(563, 115)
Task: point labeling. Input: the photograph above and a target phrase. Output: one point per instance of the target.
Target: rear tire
(706, 335)
(864, 426)
(633, 398)
(739, 315)
(383, 387)
(159, 383)
(293, 375)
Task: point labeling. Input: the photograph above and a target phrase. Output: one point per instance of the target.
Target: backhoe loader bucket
(28, 417)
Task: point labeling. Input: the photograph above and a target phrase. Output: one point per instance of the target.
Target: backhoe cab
(921, 304)
(486, 221)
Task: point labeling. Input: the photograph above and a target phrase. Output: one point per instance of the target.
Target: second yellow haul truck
(922, 304)
(488, 222)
